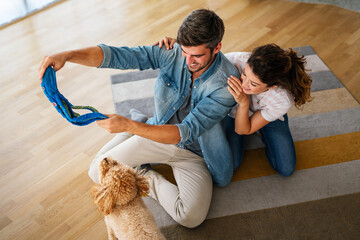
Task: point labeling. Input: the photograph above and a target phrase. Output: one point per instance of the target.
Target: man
(187, 129)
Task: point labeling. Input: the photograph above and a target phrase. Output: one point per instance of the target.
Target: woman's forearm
(242, 120)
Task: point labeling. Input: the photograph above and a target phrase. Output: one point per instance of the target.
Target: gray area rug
(353, 5)
(332, 218)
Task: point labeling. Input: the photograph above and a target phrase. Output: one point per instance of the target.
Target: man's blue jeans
(279, 145)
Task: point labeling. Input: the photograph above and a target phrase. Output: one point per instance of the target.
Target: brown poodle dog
(118, 196)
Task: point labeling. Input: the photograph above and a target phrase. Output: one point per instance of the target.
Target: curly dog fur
(118, 197)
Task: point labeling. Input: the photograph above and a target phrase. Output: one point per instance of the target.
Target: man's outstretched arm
(168, 134)
(91, 56)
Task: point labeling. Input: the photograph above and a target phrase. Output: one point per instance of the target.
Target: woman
(272, 81)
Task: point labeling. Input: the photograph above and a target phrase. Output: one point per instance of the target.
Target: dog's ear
(103, 168)
(103, 198)
(105, 165)
(142, 184)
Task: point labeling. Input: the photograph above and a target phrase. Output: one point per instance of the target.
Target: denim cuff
(107, 56)
(184, 134)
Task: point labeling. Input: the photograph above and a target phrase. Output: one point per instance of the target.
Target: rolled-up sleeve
(141, 57)
(184, 134)
(107, 56)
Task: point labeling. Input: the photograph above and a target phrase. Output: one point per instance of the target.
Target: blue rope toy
(63, 106)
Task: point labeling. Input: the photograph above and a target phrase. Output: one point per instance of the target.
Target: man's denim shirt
(210, 100)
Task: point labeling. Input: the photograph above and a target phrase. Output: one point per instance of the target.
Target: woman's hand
(167, 41)
(237, 92)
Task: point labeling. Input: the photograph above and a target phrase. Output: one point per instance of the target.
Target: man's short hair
(199, 27)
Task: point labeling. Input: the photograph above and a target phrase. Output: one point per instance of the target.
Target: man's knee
(93, 171)
(189, 220)
(194, 215)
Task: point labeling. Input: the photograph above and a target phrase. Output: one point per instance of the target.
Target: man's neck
(195, 75)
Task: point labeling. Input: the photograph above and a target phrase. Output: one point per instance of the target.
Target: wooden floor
(44, 160)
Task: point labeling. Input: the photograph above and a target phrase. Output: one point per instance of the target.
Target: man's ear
(217, 48)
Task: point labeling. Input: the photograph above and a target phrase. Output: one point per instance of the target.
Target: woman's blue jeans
(279, 145)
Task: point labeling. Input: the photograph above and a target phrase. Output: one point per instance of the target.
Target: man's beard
(202, 67)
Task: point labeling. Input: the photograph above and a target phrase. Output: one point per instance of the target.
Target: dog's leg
(111, 234)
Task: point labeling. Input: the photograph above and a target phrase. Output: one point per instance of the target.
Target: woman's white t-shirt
(272, 104)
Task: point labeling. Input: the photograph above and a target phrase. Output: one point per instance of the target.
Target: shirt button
(162, 121)
(174, 108)
(168, 84)
(194, 86)
(183, 96)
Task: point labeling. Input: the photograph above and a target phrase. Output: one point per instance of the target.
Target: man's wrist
(132, 126)
(68, 55)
